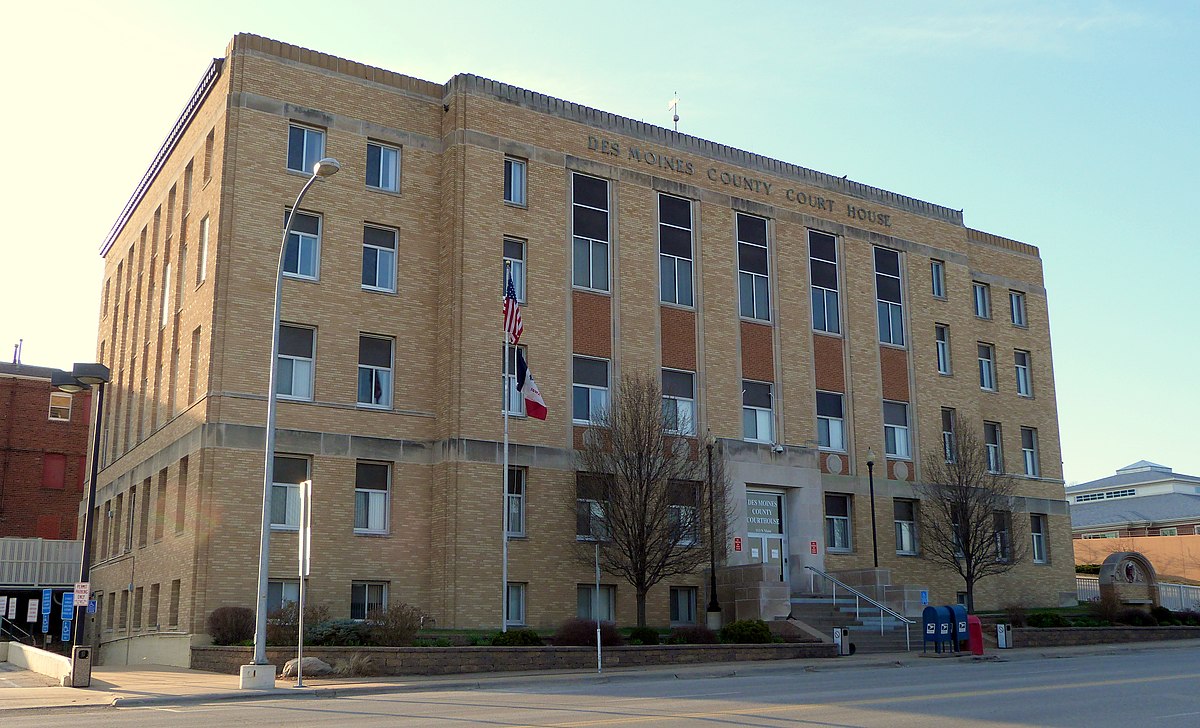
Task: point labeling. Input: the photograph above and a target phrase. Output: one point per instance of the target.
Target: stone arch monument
(1131, 578)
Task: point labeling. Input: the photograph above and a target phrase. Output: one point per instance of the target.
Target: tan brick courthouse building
(802, 319)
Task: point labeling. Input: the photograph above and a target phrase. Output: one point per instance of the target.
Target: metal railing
(1176, 597)
(1087, 588)
(39, 562)
(859, 597)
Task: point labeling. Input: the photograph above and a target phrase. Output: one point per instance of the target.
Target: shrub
(1088, 622)
(643, 636)
(1016, 614)
(693, 634)
(1162, 614)
(436, 642)
(1047, 619)
(1135, 617)
(283, 624)
(1189, 617)
(230, 625)
(395, 626)
(359, 665)
(1106, 608)
(582, 633)
(517, 638)
(1087, 568)
(747, 632)
(338, 633)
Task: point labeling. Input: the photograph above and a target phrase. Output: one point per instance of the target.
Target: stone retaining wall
(1059, 637)
(451, 660)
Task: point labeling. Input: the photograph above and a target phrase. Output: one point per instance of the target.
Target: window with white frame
(379, 259)
(823, 275)
(371, 482)
(1024, 381)
(679, 402)
(830, 421)
(758, 418)
(514, 402)
(837, 522)
(942, 336)
(1002, 528)
(591, 522)
(888, 296)
(590, 231)
(683, 605)
(288, 473)
(675, 250)
(1016, 305)
(367, 597)
(1168, 531)
(294, 367)
(514, 267)
(1115, 534)
(983, 299)
(306, 147)
(753, 271)
(937, 277)
(586, 602)
(683, 512)
(895, 430)
(1037, 532)
(301, 257)
(60, 406)
(514, 604)
(374, 371)
(905, 517)
(383, 167)
(987, 367)
(281, 592)
(589, 390)
(949, 438)
(166, 296)
(515, 502)
(991, 443)
(202, 256)
(514, 181)
(1029, 452)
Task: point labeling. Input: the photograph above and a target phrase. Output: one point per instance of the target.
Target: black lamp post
(81, 377)
(714, 607)
(871, 481)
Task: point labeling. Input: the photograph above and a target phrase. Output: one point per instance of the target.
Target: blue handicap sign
(47, 599)
(91, 606)
(45, 624)
(68, 605)
(66, 630)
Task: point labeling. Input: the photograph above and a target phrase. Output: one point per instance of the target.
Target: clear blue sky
(1068, 125)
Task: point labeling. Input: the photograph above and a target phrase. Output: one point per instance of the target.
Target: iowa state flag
(535, 406)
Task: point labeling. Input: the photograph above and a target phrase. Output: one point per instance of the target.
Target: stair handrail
(864, 597)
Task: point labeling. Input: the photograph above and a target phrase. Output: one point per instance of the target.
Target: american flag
(512, 313)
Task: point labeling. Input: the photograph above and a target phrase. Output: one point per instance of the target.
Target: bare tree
(642, 493)
(965, 513)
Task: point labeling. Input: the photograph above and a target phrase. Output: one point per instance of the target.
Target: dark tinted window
(674, 211)
(591, 191)
(374, 351)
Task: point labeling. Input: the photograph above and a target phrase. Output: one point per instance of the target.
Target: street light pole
(871, 481)
(324, 168)
(714, 608)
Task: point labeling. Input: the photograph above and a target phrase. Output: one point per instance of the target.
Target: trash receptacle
(81, 666)
(975, 634)
(841, 638)
(1004, 636)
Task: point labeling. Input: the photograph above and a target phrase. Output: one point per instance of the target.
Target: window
(514, 266)
(837, 522)
(683, 512)
(515, 503)
(1002, 528)
(514, 181)
(181, 496)
(513, 400)
(683, 605)
(888, 297)
(514, 604)
(830, 422)
(173, 605)
(987, 367)
(305, 148)
(895, 429)
(983, 299)
(374, 371)
(1016, 304)
(137, 608)
(193, 371)
(1024, 383)
(60, 406)
(905, 515)
(294, 368)
(289, 473)
(1171, 531)
(937, 277)
(202, 260)
(367, 598)
(166, 296)
(111, 611)
(589, 389)
(160, 505)
(282, 592)
(758, 420)
(152, 616)
(144, 526)
(1037, 529)
(679, 402)
(1029, 451)
(589, 225)
(302, 255)
(753, 282)
(379, 259)
(675, 250)
(383, 167)
(942, 334)
(371, 482)
(949, 439)
(585, 602)
(590, 521)
(991, 441)
(1114, 534)
(823, 273)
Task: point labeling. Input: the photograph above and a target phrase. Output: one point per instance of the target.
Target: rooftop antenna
(674, 107)
(17, 351)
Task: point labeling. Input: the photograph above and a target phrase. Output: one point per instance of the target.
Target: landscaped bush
(1087, 568)
(1135, 617)
(1162, 614)
(693, 634)
(1089, 622)
(338, 633)
(1106, 608)
(747, 632)
(643, 636)
(283, 625)
(517, 638)
(1016, 614)
(1188, 617)
(230, 625)
(582, 633)
(395, 626)
(1047, 619)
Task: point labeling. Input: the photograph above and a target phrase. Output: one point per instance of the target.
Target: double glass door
(765, 538)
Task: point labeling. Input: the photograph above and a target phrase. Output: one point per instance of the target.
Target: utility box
(81, 666)
(841, 638)
(1004, 636)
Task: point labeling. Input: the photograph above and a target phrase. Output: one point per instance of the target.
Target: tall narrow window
(679, 402)
(837, 522)
(374, 371)
(983, 299)
(754, 295)
(949, 438)
(383, 167)
(514, 267)
(289, 473)
(888, 296)
(937, 277)
(301, 258)
(514, 604)
(187, 189)
(823, 273)
(306, 146)
(758, 418)
(166, 296)
(987, 367)
(294, 372)
(194, 369)
(589, 390)
(1037, 530)
(514, 181)
(683, 605)
(181, 496)
(152, 609)
(202, 256)
(942, 334)
(209, 143)
(905, 515)
(379, 259)
(1002, 528)
(830, 422)
(515, 502)
(160, 505)
(367, 598)
(173, 608)
(513, 401)
(137, 608)
(371, 481)
(589, 225)
(1029, 452)
(895, 429)
(991, 443)
(1016, 305)
(1024, 383)
(675, 250)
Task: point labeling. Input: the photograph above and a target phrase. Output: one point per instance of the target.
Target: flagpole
(504, 405)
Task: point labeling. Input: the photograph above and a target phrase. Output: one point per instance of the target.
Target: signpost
(32, 614)
(68, 606)
(47, 599)
(83, 590)
(91, 609)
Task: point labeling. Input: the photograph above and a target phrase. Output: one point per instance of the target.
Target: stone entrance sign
(1131, 578)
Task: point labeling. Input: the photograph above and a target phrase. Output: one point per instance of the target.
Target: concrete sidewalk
(127, 687)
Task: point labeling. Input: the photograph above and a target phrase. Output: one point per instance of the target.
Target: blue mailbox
(959, 614)
(938, 628)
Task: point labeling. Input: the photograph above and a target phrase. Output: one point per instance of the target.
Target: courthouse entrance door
(765, 536)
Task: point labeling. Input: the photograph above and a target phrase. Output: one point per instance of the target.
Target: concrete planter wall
(452, 660)
(1064, 636)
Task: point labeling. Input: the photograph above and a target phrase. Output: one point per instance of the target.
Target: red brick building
(43, 454)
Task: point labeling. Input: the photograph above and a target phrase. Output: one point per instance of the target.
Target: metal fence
(38, 562)
(1087, 588)
(1176, 597)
